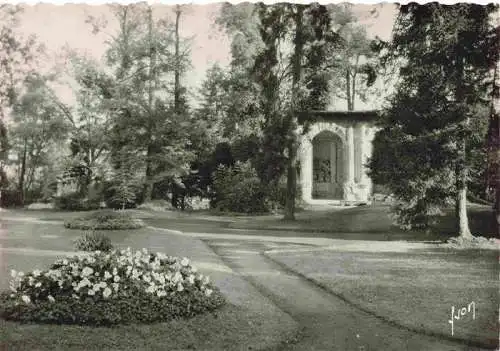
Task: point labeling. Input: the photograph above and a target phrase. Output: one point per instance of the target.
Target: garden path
(328, 323)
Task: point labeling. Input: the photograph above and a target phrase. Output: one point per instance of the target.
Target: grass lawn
(415, 289)
(25, 245)
(231, 328)
(371, 223)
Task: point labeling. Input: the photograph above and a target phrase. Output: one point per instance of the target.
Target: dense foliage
(74, 201)
(424, 151)
(238, 189)
(105, 220)
(120, 287)
(93, 241)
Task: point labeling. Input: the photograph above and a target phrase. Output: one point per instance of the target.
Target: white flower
(208, 292)
(107, 275)
(115, 286)
(91, 292)
(38, 284)
(185, 262)
(180, 287)
(135, 273)
(191, 279)
(206, 280)
(26, 299)
(151, 289)
(177, 277)
(87, 271)
(116, 278)
(161, 256)
(37, 273)
(115, 271)
(51, 298)
(107, 292)
(161, 293)
(84, 282)
(65, 262)
(20, 274)
(13, 273)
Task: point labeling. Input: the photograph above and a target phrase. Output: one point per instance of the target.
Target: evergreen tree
(422, 153)
(291, 72)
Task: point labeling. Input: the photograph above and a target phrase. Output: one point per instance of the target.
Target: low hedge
(104, 220)
(75, 202)
(120, 287)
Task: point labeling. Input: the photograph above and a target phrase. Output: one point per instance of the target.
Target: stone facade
(332, 157)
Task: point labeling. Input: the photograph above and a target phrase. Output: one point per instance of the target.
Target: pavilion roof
(317, 116)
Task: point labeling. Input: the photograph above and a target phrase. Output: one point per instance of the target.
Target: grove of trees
(136, 131)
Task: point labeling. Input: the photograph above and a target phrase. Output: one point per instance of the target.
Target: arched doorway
(328, 170)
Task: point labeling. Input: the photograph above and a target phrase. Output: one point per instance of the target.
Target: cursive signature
(461, 312)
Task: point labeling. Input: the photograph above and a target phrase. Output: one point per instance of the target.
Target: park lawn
(370, 223)
(415, 289)
(230, 328)
(25, 245)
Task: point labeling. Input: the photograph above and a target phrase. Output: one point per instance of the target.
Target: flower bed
(105, 220)
(119, 287)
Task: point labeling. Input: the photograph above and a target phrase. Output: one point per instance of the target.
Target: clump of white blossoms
(107, 275)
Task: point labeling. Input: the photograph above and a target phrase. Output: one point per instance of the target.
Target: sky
(57, 26)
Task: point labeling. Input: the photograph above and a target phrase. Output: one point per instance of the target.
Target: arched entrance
(328, 170)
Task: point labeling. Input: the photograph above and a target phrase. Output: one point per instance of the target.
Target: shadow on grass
(230, 328)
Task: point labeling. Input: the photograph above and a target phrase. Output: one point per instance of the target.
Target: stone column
(349, 191)
(365, 182)
(306, 169)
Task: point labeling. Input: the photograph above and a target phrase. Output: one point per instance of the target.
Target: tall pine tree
(422, 153)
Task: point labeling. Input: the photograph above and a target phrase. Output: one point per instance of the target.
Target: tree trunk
(291, 179)
(22, 174)
(461, 205)
(148, 186)
(348, 89)
(177, 72)
(291, 184)
(461, 170)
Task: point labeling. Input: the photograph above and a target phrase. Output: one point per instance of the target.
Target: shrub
(75, 202)
(100, 288)
(116, 200)
(277, 194)
(93, 241)
(238, 189)
(10, 198)
(104, 220)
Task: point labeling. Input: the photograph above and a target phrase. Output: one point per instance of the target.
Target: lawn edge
(360, 307)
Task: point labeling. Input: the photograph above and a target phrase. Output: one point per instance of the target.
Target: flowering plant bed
(118, 287)
(104, 220)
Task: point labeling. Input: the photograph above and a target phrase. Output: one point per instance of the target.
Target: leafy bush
(100, 288)
(118, 196)
(104, 220)
(238, 189)
(94, 241)
(277, 194)
(10, 198)
(75, 202)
